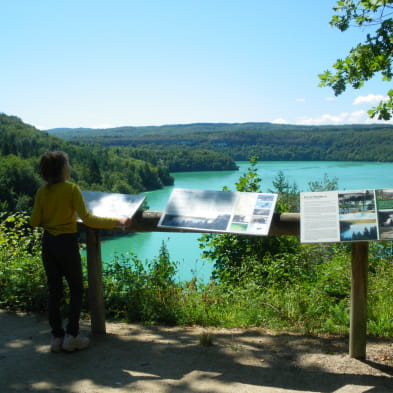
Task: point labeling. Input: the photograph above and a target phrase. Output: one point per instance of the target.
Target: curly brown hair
(52, 166)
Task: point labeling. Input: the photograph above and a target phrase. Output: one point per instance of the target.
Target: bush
(22, 276)
(380, 283)
(134, 292)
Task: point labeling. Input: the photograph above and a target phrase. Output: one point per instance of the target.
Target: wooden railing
(282, 224)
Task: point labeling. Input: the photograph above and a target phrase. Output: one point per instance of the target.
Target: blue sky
(96, 63)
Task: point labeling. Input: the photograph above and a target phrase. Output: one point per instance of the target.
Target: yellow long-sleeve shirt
(56, 208)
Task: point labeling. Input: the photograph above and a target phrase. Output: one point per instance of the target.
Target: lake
(184, 247)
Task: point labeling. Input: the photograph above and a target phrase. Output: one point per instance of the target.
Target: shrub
(135, 292)
(22, 276)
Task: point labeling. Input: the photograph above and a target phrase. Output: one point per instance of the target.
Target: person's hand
(125, 223)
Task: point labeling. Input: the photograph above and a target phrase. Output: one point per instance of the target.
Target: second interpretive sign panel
(219, 211)
(339, 216)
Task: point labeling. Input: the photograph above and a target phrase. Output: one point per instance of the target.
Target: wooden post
(358, 323)
(95, 291)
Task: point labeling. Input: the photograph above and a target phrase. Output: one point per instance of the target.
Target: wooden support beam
(282, 224)
(94, 273)
(358, 322)
(285, 224)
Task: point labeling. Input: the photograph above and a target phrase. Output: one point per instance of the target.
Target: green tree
(326, 184)
(18, 183)
(288, 195)
(93, 172)
(236, 258)
(365, 60)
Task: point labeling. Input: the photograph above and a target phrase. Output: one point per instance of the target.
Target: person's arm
(124, 223)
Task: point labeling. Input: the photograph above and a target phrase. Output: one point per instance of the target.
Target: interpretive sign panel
(105, 204)
(219, 211)
(339, 216)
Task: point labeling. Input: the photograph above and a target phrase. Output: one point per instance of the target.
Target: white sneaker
(56, 344)
(72, 343)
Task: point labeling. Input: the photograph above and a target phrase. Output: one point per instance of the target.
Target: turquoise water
(184, 247)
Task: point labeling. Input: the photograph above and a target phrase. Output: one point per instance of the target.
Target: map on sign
(105, 204)
(247, 213)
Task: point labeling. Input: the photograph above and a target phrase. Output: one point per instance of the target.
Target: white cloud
(280, 121)
(369, 99)
(355, 117)
(300, 100)
(342, 118)
(330, 99)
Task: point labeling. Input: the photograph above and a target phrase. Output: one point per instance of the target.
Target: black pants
(61, 258)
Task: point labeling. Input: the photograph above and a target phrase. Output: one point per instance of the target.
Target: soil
(158, 359)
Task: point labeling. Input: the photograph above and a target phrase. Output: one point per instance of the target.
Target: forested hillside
(93, 167)
(176, 154)
(241, 141)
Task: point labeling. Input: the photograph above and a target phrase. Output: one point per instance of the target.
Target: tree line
(269, 142)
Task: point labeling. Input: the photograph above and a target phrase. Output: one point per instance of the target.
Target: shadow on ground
(136, 358)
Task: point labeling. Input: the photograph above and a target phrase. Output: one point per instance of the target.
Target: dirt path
(135, 358)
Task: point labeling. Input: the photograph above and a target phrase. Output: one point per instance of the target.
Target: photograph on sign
(358, 217)
(384, 200)
(219, 211)
(114, 205)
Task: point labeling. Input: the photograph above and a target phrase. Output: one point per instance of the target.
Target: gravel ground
(156, 359)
